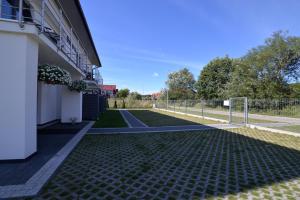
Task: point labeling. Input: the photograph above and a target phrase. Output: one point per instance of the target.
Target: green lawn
(213, 164)
(295, 128)
(237, 119)
(160, 118)
(110, 119)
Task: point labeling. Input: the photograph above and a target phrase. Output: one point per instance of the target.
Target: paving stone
(213, 164)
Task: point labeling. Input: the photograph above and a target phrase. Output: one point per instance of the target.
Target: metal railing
(51, 22)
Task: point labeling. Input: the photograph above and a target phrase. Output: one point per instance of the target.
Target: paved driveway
(131, 120)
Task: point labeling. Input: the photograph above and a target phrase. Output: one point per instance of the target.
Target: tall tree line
(269, 71)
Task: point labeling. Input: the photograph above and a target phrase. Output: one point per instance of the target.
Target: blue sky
(141, 41)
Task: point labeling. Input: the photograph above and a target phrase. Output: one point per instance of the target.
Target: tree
(213, 78)
(135, 96)
(162, 94)
(296, 90)
(265, 72)
(123, 93)
(181, 85)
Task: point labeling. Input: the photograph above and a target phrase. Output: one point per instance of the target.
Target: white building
(34, 32)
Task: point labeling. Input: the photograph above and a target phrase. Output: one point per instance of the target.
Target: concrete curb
(41, 177)
(161, 129)
(272, 130)
(192, 115)
(145, 125)
(126, 121)
(153, 131)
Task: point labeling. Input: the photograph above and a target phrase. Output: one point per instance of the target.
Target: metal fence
(258, 111)
(278, 107)
(211, 108)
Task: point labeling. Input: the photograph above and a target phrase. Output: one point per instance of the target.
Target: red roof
(156, 95)
(109, 87)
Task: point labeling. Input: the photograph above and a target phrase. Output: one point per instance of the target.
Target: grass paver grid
(237, 164)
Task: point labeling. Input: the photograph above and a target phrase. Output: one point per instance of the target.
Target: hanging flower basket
(78, 85)
(54, 75)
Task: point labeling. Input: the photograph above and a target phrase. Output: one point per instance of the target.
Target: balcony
(51, 21)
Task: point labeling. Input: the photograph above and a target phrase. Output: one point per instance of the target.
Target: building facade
(33, 33)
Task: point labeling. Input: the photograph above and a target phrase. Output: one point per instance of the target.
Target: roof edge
(77, 2)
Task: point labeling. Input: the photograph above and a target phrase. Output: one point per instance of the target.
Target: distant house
(109, 90)
(156, 96)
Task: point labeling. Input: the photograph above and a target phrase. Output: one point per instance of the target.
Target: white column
(71, 106)
(18, 101)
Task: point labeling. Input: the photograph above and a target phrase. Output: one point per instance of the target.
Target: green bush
(78, 85)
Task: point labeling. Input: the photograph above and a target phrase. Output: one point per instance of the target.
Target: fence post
(246, 110)
(167, 99)
(202, 107)
(230, 110)
(174, 105)
(185, 106)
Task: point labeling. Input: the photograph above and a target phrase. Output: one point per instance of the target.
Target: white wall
(58, 98)
(49, 103)
(71, 105)
(18, 102)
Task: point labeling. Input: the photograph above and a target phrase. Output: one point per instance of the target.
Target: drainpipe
(21, 24)
(60, 29)
(43, 16)
(0, 8)
(71, 43)
(78, 54)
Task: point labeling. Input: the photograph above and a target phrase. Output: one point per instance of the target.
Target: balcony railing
(51, 21)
